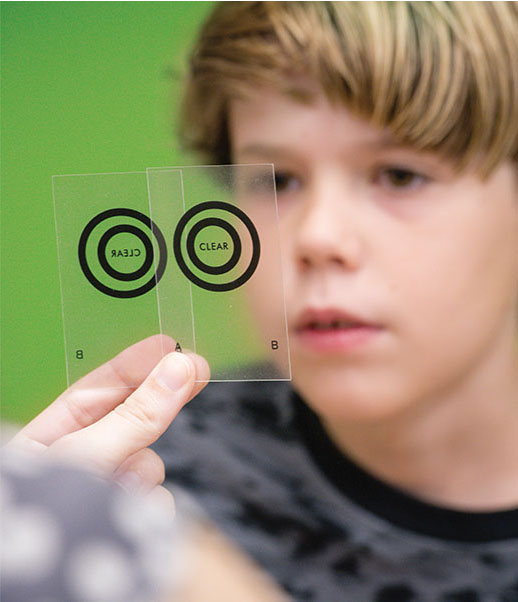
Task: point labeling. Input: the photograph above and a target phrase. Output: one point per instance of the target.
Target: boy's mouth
(330, 319)
(333, 330)
(334, 325)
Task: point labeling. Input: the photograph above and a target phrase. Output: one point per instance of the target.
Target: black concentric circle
(211, 286)
(204, 267)
(125, 276)
(101, 252)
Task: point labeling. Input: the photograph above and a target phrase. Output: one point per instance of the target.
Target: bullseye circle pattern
(125, 276)
(101, 253)
(232, 262)
(209, 269)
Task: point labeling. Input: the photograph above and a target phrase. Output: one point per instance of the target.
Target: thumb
(137, 422)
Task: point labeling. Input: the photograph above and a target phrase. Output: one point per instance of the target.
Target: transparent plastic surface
(191, 252)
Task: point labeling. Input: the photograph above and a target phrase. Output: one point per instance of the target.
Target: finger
(141, 472)
(140, 420)
(93, 396)
(162, 498)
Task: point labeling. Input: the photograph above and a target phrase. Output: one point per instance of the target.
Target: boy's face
(401, 278)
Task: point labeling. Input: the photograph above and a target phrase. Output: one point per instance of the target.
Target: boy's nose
(327, 234)
(326, 230)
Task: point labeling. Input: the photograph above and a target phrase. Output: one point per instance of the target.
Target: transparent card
(190, 252)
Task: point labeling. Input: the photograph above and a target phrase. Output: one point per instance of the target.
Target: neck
(458, 449)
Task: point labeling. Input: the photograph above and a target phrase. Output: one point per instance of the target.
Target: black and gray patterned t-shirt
(259, 463)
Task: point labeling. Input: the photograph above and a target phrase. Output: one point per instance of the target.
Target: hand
(108, 429)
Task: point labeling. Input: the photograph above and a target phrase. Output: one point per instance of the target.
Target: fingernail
(130, 481)
(174, 371)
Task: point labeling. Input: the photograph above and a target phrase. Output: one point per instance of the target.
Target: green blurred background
(87, 87)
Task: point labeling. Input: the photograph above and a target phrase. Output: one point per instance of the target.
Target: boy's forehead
(270, 120)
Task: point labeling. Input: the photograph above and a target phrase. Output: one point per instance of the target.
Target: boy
(390, 471)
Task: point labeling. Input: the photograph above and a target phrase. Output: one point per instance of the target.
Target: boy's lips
(331, 330)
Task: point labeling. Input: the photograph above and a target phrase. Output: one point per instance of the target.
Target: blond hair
(441, 76)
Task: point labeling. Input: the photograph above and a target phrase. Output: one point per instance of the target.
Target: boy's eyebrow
(384, 143)
(265, 150)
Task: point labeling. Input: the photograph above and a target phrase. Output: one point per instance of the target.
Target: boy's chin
(341, 398)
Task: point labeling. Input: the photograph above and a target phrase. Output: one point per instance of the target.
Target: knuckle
(141, 414)
(79, 412)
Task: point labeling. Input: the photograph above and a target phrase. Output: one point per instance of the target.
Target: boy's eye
(261, 183)
(400, 178)
(285, 181)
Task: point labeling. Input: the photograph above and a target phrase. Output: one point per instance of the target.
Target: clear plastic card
(190, 252)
